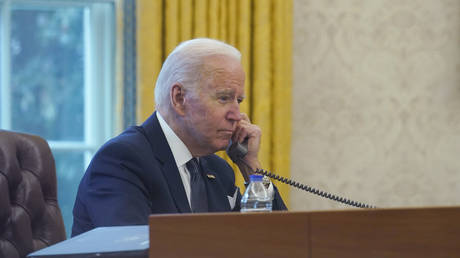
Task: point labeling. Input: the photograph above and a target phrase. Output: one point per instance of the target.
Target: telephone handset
(236, 151)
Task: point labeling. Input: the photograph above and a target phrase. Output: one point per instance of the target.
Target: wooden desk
(405, 232)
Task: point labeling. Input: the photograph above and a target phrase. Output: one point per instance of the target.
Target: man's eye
(224, 98)
(240, 100)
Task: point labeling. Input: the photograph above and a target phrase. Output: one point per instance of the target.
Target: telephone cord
(313, 190)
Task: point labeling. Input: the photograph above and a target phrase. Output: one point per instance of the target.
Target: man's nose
(234, 113)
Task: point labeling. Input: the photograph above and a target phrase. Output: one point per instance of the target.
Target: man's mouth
(225, 131)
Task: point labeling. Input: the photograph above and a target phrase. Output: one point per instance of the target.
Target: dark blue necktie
(198, 196)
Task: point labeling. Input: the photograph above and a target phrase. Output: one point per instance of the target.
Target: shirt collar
(180, 152)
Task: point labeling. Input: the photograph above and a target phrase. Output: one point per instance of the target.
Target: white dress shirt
(182, 155)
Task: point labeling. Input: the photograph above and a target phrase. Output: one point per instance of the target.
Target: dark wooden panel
(276, 234)
(430, 232)
(416, 232)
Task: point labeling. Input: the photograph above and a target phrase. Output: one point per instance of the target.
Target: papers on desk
(119, 241)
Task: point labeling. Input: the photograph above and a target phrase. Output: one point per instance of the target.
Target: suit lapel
(217, 199)
(163, 153)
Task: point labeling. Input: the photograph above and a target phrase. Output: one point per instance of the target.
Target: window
(57, 81)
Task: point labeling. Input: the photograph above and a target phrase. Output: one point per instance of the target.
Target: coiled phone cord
(313, 190)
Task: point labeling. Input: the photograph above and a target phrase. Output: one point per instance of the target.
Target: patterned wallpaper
(377, 102)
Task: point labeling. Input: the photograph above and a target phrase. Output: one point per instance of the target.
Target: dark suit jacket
(134, 175)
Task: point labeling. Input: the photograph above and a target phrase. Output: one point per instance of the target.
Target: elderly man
(168, 165)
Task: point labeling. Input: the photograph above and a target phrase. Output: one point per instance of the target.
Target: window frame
(99, 29)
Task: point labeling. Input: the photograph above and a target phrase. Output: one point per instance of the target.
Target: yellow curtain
(260, 29)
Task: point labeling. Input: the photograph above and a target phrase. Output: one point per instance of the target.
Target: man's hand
(246, 130)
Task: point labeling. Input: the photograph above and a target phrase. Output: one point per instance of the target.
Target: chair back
(30, 218)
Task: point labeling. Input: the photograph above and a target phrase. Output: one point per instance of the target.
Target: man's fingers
(245, 117)
(236, 133)
(246, 130)
(242, 131)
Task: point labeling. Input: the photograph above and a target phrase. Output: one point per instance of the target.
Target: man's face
(212, 114)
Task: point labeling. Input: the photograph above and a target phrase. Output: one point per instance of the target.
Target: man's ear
(178, 98)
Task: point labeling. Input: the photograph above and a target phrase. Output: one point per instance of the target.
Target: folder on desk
(118, 241)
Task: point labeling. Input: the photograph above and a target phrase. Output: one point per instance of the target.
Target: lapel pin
(211, 176)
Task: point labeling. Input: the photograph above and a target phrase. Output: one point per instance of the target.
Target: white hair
(184, 65)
